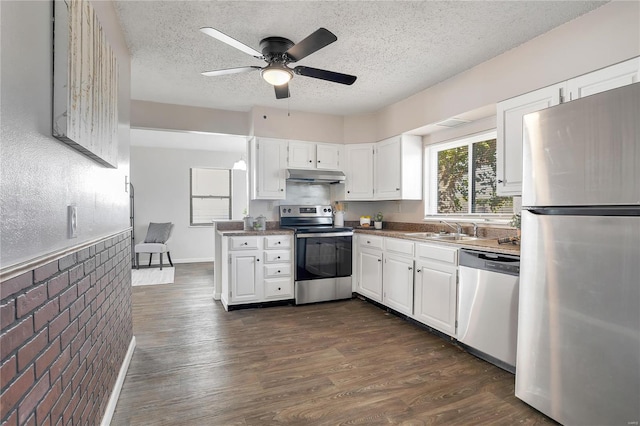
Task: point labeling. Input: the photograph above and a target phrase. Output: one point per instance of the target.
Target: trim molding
(115, 393)
(20, 268)
(165, 261)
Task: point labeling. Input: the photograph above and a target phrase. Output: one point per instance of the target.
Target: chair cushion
(158, 233)
(151, 248)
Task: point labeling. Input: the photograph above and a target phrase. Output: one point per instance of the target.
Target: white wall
(160, 177)
(41, 176)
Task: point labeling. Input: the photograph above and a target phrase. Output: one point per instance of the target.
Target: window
(210, 195)
(462, 178)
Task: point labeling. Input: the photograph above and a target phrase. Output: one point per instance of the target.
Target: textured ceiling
(395, 48)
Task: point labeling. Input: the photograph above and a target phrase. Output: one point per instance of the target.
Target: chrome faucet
(458, 227)
(475, 229)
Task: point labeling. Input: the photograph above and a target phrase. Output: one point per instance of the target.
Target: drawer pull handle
(410, 268)
(257, 260)
(279, 289)
(278, 270)
(418, 270)
(278, 257)
(379, 260)
(278, 242)
(244, 244)
(368, 242)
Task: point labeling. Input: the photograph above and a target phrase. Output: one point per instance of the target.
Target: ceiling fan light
(276, 75)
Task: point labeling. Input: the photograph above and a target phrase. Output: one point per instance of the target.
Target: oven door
(323, 255)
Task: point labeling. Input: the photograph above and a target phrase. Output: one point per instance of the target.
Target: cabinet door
(328, 156)
(370, 274)
(387, 170)
(245, 280)
(271, 157)
(278, 288)
(397, 283)
(617, 75)
(302, 155)
(510, 136)
(359, 172)
(435, 295)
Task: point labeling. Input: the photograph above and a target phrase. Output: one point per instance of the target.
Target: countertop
(481, 244)
(241, 233)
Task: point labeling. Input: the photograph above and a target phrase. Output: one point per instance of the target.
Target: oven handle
(325, 234)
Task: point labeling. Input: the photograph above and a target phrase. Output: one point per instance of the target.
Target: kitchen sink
(440, 236)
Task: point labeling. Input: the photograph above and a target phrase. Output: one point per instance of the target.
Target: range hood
(315, 176)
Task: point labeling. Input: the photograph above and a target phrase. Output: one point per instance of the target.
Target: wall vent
(453, 122)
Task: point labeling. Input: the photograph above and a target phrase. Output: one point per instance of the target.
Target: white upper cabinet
(268, 160)
(387, 170)
(359, 172)
(617, 75)
(328, 156)
(302, 155)
(509, 134)
(398, 168)
(311, 155)
(511, 111)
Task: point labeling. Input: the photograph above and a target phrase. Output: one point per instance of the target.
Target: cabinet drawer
(243, 243)
(433, 252)
(370, 241)
(277, 271)
(399, 246)
(277, 241)
(277, 256)
(278, 288)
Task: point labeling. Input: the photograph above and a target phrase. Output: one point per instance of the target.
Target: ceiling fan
(278, 52)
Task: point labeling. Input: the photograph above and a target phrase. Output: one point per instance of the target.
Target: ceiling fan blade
(282, 91)
(314, 42)
(229, 71)
(231, 41)
(334, 77)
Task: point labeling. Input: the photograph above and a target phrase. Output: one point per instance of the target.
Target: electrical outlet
(72, 220)
(270, 205)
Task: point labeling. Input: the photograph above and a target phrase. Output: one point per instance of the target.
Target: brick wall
(66, 327)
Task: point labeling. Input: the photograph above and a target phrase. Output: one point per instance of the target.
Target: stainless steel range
(322, 254)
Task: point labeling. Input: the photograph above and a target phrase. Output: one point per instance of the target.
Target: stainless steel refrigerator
(578, 353)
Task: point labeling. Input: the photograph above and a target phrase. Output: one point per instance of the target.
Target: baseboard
(115, 393)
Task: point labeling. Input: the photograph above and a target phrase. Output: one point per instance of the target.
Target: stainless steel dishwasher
(488, 306)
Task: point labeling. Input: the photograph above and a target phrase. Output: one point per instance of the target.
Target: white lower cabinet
(398, 283)
(259, 269)
(369, 266)
(369, 273)
(244, 277)
(436, 287)
(415, 279)
(397, 275)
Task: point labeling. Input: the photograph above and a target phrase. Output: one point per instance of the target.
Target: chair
(155, 242)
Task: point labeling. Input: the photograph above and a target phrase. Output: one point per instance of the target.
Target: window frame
(191, 196)
(431, 179)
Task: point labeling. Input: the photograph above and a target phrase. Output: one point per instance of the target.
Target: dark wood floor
(326, 364)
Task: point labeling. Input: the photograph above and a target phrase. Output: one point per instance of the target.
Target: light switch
(72, 220)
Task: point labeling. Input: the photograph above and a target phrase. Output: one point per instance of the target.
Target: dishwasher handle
(501, 263)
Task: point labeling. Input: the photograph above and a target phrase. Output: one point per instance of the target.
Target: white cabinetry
(259, 269)
(369, 267)
(509, 134)
(398, 168)
(617, 75)
(511, 111)
(245, 276)
(268, 159)
(387, 170)
(358, 172)
(397, 275)
(310, 155)
(436, 287)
